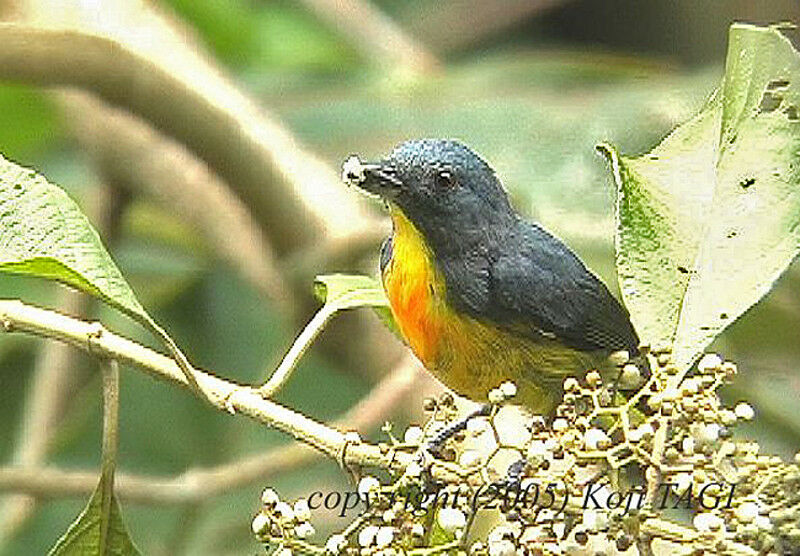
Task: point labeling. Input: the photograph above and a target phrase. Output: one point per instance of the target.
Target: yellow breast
(414, 289)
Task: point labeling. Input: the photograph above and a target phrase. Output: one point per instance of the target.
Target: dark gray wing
(540, 286)
(386, 253)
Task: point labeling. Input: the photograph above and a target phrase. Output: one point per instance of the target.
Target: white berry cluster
(608, 473)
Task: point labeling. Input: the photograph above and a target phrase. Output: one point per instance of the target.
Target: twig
(375, 35)
(299, 347)
(202, 484)
(134, 155)
(225, 396)
(446, 547)
(153, 71)
(108, 462)
(653, 472)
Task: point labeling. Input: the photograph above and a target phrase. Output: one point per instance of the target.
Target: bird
(481, 295)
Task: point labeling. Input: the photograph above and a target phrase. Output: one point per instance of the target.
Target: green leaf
(43, 233)
(709, 219)
(346, 291)
(99, 528)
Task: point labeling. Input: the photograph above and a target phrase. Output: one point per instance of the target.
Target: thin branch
(110, 418)
(201, 484)
(183, 363)
(108, 462)
(653, 472)
(225, 396)
(45, 482)
(375, 35)
(137, 60)
(133, 154)
(299, 347)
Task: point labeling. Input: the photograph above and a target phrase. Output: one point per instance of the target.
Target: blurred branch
(224, 395)
(336, 253)
(52, 385)
(134, 155)
(130, 55)
(135, 59)
(374, 34)
(458, 24)
(184, 532)
(197, 485)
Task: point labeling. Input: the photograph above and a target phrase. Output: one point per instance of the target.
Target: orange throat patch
(414, 288)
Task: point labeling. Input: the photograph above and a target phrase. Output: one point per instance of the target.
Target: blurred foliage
(535, 109)
(535, 115)
(264, 36)
(29, 122)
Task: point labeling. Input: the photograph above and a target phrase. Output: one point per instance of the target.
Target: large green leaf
(709, 219)
(43, 233)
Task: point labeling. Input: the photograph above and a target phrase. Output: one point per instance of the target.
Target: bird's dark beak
(377, 178)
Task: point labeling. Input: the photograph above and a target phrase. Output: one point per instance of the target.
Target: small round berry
(451, 520)
(260, 522)
(744, 411)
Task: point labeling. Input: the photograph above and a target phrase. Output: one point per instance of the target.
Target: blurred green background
(532, 86)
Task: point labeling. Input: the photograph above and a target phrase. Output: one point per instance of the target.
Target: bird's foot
(436, 443)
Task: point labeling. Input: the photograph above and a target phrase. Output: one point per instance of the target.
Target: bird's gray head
(441, 185)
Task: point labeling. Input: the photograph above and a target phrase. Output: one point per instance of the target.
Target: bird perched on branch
(481, 295)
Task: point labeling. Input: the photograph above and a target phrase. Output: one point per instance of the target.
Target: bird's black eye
(445, 179)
